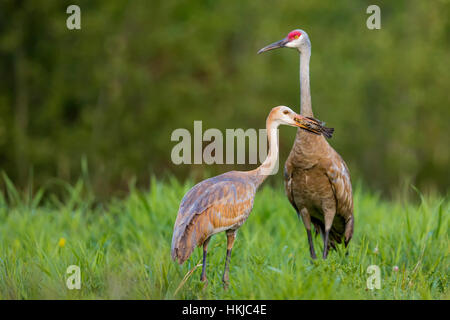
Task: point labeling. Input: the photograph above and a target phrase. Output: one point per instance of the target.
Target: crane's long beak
(275, 45)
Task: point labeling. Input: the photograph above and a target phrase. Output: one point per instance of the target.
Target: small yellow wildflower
(62, 242)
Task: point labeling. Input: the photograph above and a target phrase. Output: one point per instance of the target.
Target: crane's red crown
(294, 35)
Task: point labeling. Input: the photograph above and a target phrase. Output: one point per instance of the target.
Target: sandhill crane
(317, 180)
(224, 202)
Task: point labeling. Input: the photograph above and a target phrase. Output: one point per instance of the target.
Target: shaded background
(113, 92)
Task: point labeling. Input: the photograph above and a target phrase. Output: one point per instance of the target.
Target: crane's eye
(285, 112)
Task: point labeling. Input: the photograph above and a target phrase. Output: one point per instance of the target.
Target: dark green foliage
(116, 89)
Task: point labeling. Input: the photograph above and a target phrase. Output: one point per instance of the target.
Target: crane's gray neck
(305, 91)
(270, 164)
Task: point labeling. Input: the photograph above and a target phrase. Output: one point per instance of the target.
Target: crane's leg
(325, 243)
(306, 218)
(329, 214)
(205, 251)
(231, 235)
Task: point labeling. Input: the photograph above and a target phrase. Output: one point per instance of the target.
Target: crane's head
(295, 39)
(284, 115)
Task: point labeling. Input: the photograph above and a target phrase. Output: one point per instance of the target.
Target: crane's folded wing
(339, 177)
(224, 201)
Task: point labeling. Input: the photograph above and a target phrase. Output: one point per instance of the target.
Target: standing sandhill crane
(317, 180)
(224, 202)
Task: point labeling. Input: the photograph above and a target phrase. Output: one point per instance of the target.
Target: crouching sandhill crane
(224, 202)
(317, 180)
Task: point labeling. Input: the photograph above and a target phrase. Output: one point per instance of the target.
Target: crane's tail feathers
(181, 252)
(334, 236)
(181, 248)
(184, 242)
(348, 231)
(317, 226)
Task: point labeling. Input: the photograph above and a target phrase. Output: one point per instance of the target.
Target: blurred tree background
(114, 91)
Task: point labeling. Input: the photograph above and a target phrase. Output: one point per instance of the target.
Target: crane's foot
(204, 283)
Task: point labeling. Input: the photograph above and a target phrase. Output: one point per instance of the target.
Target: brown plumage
(317, 184)
(224, 202)
(317, 180)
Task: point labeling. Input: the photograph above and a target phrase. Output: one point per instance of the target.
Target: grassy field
(123, 249)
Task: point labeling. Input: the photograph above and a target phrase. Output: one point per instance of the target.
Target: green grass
(123, 249)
